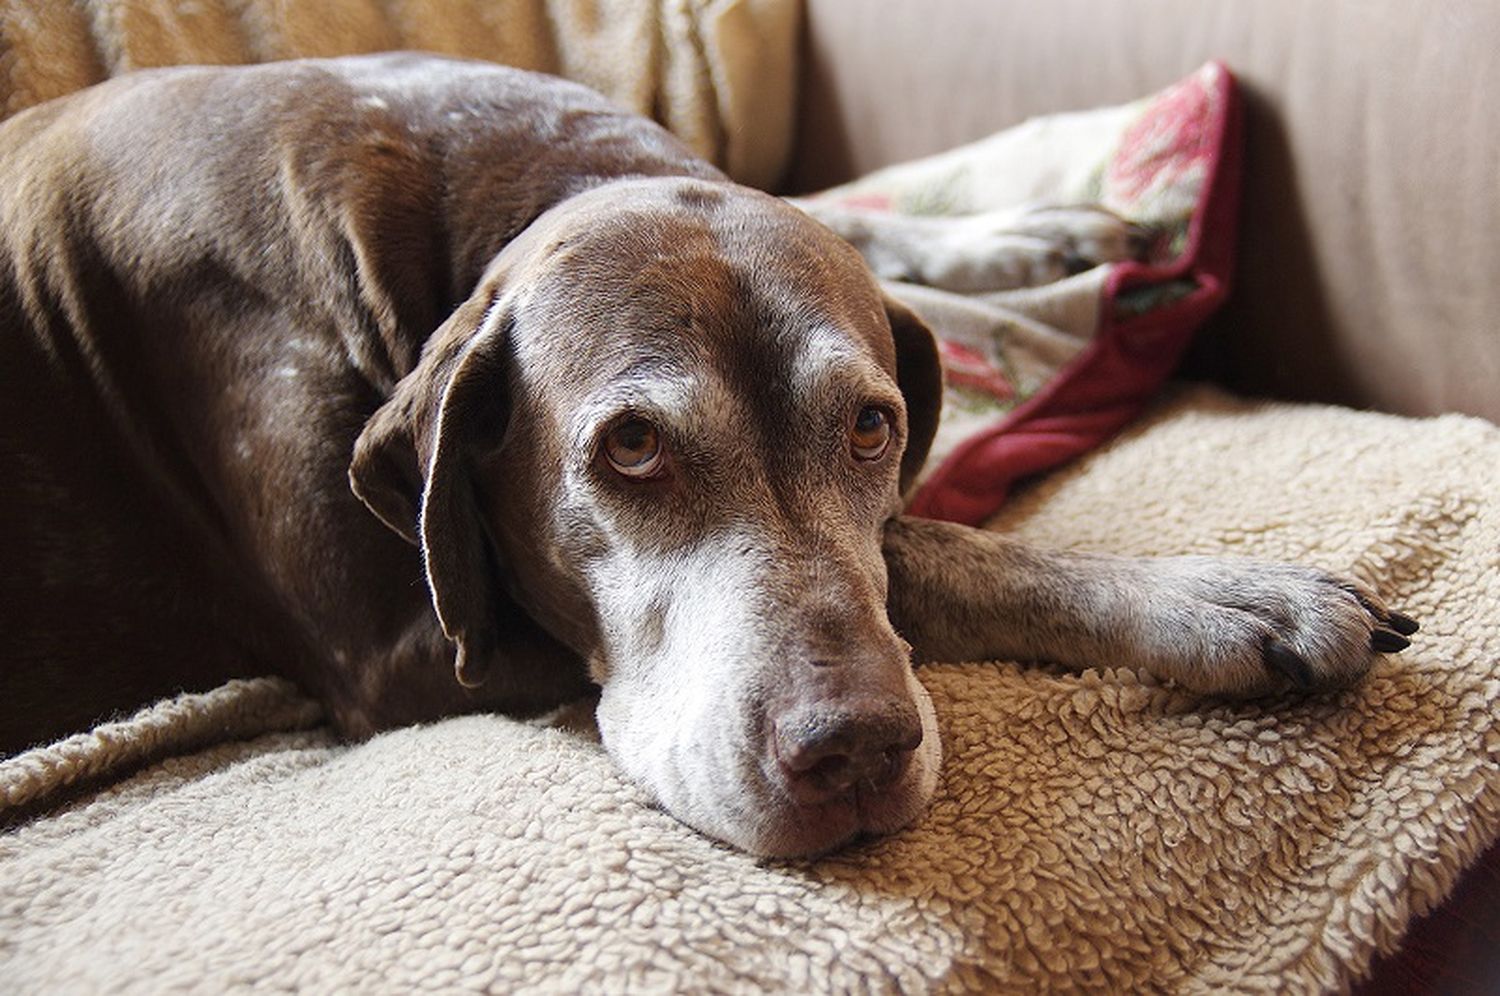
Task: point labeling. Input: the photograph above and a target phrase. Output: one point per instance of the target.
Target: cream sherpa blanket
(719, 73)
(1096, 831)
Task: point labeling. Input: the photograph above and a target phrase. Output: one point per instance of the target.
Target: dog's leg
(991, 251)
(1212, 625)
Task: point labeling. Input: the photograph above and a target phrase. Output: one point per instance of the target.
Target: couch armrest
(1371, 200)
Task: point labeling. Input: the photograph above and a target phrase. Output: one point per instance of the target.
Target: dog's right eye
(633, 448)
(871, 433)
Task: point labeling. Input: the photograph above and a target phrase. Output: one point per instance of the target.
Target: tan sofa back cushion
(1368, 267)
(719, 74)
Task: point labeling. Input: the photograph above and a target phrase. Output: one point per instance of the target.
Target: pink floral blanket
(1035, 377)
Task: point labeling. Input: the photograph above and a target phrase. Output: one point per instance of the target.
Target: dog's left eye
(633, 448)
(870, 434)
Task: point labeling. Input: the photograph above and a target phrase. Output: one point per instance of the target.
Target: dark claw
(1283, 660)
(1405, 625)
(1385, 642)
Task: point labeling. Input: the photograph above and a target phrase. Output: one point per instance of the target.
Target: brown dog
(620, 423)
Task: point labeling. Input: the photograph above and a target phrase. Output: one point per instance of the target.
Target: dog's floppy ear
(411, 466)
(384, 472)
(919, 374)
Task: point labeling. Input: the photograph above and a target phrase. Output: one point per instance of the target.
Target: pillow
(1037, 376)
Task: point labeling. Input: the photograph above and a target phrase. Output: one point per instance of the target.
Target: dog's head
(670, 425)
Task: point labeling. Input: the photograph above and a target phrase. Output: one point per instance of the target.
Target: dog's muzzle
(826, 750)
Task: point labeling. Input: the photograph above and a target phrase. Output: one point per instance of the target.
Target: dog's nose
(827, 749)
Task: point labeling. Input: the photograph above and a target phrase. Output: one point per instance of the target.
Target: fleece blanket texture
(719, 73)
(1098, 831)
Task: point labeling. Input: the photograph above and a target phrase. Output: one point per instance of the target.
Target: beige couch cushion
(718, 74)
(1090, 831)
(1372, 195)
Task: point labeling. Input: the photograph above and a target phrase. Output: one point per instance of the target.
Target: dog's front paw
(1250, 628)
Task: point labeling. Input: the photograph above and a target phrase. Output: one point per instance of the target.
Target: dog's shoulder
(398, 150)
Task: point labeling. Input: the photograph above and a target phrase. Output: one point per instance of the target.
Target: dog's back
(209, 278)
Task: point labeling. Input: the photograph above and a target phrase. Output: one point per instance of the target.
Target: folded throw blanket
(1036, 376)
(1098, 831)
(719, 73)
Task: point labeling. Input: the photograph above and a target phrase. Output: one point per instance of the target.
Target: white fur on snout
(680, 663)
(690, 648)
